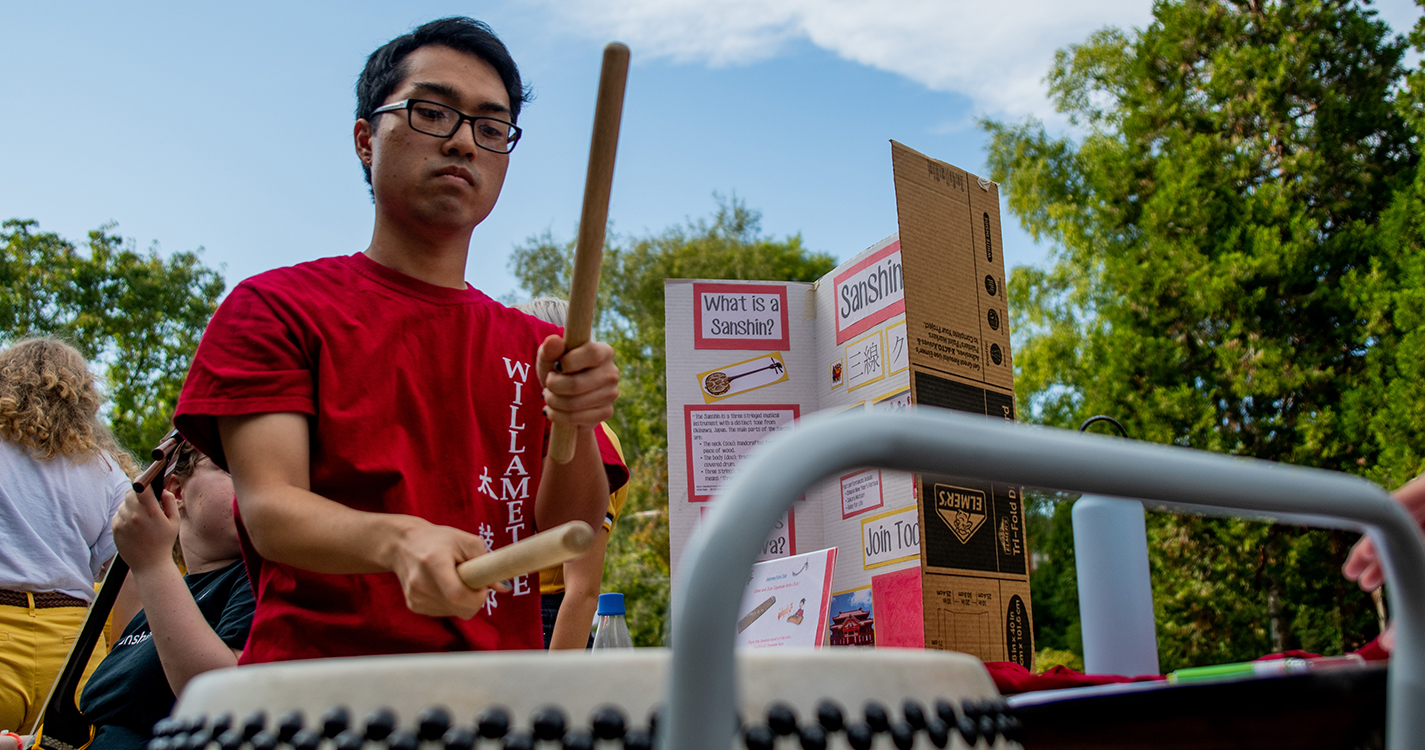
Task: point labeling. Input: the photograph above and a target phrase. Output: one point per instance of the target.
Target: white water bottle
(1115, 588)
(613, 631)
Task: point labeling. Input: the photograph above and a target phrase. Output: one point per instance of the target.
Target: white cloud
(995, 53)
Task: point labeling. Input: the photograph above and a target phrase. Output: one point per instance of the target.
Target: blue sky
(849, 600)
(228, 126)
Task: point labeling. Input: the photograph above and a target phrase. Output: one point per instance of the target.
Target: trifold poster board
(918, 319)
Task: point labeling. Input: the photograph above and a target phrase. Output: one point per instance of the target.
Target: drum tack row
(974, 722)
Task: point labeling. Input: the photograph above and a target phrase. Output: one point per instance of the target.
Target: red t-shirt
(423, 400)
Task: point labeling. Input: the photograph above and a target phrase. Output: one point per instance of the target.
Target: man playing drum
(383, 420)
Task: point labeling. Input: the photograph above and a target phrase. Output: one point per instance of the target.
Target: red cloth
(1294, 653)
(1011, 678)
(423, 400)
(1373, 651)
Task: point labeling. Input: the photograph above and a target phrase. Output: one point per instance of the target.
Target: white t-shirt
(54, 520)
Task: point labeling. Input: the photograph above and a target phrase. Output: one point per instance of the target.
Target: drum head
(632, 682)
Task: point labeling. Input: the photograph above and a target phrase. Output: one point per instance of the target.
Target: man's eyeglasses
(441, 121)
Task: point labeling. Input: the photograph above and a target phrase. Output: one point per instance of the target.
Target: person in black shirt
(189, 624)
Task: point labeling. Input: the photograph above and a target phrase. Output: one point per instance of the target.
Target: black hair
(385, 68)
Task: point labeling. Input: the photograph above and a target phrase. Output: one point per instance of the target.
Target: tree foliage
(134, 315)
(1054, 583)
(630, 318)
(1229, 274)
(1392, 296)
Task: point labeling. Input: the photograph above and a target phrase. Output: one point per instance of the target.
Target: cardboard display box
(919, 319)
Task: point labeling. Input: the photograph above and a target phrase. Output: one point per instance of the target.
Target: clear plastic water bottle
(613, 631)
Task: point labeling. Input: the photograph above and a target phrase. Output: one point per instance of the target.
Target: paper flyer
(865, 360)
(729, 380)
(853, 618)
(786, 601)
(860, 492)
(899, 604)
(740, 316)
(719, 437)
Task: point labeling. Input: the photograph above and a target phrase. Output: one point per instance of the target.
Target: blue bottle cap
(610, 604)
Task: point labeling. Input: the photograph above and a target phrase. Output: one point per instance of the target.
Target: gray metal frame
(703, 684)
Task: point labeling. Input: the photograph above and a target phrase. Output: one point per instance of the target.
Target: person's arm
(268, 457)
(126, 604)
(144, 533)
(1363, 564)
(583, 577)
(581, 392)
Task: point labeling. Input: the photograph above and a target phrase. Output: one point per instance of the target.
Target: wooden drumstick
(547, 548)
(589, 252)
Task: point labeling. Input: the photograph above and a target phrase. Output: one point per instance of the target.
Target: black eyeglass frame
(513, 138)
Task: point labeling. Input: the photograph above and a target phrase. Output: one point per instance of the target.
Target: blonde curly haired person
(64, 477)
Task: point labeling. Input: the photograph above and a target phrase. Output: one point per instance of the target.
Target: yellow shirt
(551, 580)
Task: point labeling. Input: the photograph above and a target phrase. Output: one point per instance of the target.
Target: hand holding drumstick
(589, 248)
(578, 376)
(543, 550)
(580, 385)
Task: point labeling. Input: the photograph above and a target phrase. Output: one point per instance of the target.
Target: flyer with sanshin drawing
(786, 601)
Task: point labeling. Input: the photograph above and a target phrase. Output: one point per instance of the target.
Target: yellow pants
(33, 646)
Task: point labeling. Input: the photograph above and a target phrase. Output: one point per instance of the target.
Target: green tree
(630, 318)
(136, 315)
(1054, 584)
(1218, 248)
(1386, 411)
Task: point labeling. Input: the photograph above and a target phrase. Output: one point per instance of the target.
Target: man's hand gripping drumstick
(579, 377)
(543, 550)
(269, 458)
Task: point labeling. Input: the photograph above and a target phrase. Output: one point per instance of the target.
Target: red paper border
(702, 342)
(821, 630)
(880, 490)
(688, 410)
(792, 530)
(874, 319)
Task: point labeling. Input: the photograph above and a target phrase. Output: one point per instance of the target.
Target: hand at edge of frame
(1363, 564)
